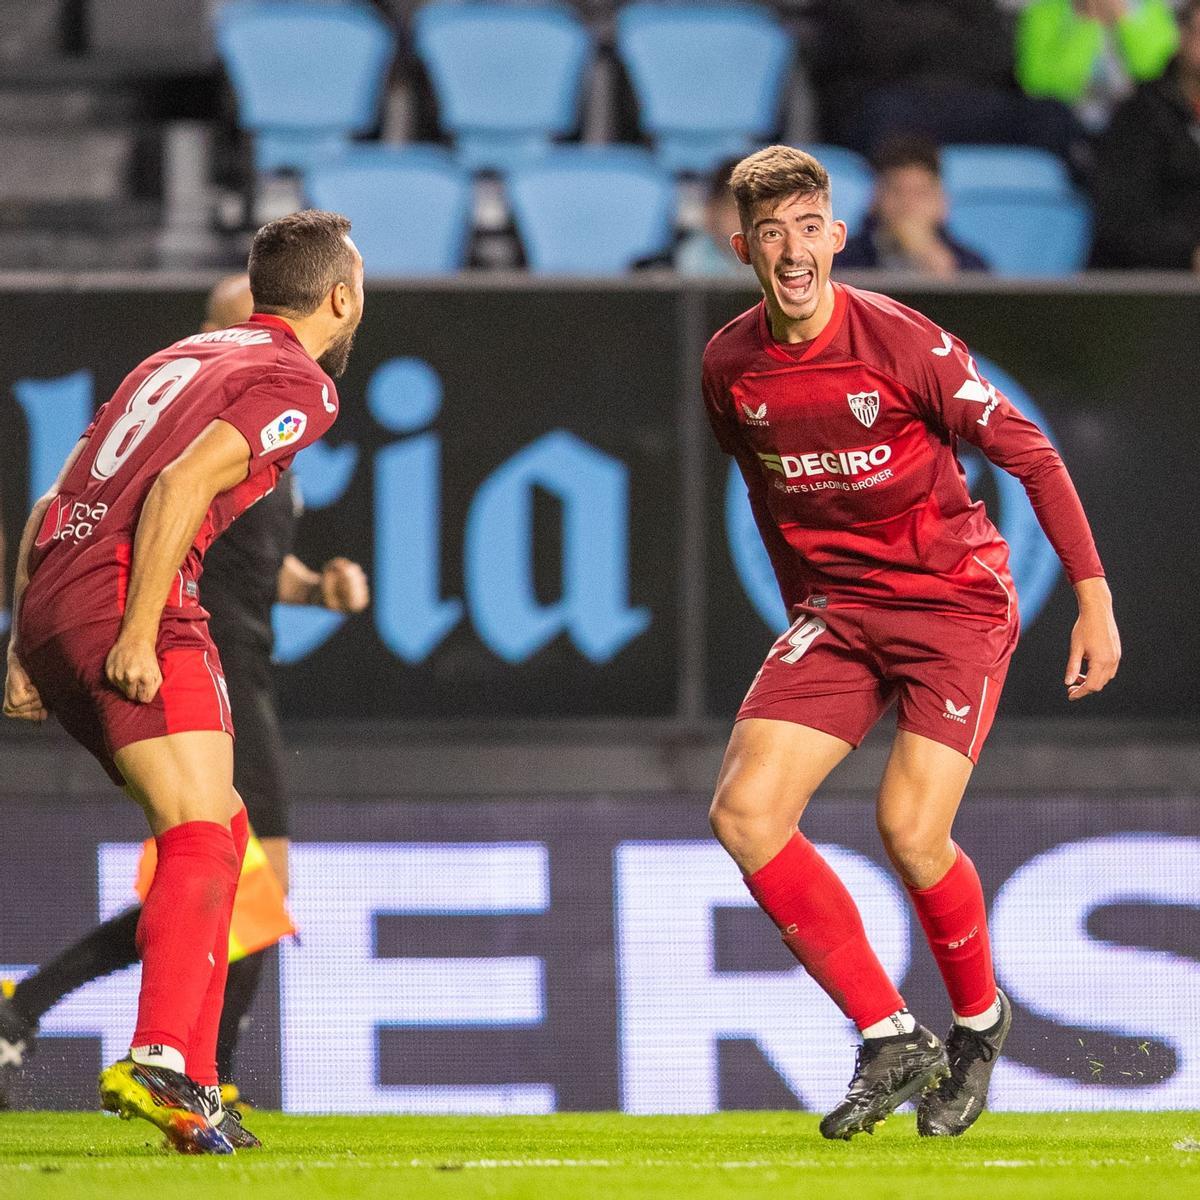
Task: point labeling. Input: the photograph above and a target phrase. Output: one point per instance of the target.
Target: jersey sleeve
(280, 415)
(716, 405)
(959, 400)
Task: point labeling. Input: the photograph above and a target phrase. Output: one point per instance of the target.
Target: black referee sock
(108, 948)
(240, 988)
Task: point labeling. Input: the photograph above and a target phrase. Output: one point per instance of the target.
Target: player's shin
(822, 927)
(187, 903)
(954, 917)
(202, 1049)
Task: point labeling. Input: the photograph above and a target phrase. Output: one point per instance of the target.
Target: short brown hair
(772, 174)
(296, 260)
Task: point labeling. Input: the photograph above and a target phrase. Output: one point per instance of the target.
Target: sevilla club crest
(865, 406)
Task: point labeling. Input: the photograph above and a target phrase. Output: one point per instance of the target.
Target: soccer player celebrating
(842, 409)
(246, 570)
(108, 633)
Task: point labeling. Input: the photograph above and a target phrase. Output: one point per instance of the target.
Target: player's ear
(740, 247)
(340, 299)
(839, 236)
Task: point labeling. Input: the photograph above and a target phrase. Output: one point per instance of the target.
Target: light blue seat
(410, 207)
(970, 169)
(306, 75)
(708, 78)
(591, 210)
(507, 78)
(1025, 234)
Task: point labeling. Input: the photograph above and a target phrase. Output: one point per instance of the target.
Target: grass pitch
(1067, 1156)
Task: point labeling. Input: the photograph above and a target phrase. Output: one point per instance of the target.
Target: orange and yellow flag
(260, 915)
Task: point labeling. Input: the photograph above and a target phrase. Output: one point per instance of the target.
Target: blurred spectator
(1147, 183)
(906, 227)
(706, 252)
(939, 68)
(1088, 53)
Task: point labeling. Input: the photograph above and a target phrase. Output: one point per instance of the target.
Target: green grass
(1093, 1156)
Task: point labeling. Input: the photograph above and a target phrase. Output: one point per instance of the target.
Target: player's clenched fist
(21, 699)
(344, 586)
(132, 668)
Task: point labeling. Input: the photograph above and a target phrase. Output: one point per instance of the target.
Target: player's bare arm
(21, 699)
(1094, 640)
(340, 585)
(175, 506)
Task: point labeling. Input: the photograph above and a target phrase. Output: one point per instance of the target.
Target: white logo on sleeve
(954, 713)
(329, 408)
(755, 416)
(284, 429)
(945, 348)
(974, 388)
(865, 406)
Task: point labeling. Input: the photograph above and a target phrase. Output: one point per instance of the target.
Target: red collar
(274, 322)
(802, 351)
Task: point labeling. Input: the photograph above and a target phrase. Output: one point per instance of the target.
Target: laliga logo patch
(284, 429)
(865, 406)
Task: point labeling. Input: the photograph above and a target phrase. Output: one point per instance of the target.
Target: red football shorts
(68, 671)
(837, 669)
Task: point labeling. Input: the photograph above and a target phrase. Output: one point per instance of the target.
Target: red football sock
(954, 918)
(196, 873)
(822, 927)
(202, 1050)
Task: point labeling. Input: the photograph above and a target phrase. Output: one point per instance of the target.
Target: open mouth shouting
(796, 284)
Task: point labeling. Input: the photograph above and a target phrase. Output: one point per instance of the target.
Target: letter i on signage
(404, 396)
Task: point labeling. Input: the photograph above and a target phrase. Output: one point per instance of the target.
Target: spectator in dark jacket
(1147, 182)
(939, 68)
(906, 227)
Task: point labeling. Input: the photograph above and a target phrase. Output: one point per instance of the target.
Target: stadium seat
(507, 78)
(410, 206)
(306, 75)
(708, 78)
(1025, 234)
(1026, 169)
(592, 211)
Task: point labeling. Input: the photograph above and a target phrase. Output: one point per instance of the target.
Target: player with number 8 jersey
(256, 378)
(110, 636)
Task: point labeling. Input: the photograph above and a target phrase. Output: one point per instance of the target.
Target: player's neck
(789, 330)
(312, 335)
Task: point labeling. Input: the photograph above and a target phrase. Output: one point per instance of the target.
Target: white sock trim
(216, 1110)
(901, 1021)
(158, 1056)
(983, 1020)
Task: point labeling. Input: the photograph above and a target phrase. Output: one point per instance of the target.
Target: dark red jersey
(847, 445)
(257, 377)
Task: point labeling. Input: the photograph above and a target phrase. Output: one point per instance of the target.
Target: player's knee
(742, 816)
(915, 852)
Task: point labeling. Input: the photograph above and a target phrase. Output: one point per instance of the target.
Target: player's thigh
(181, 777)
(771, 769)
(922, 787)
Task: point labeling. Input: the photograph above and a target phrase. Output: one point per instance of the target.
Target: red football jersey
(255, 376)
(847, 445)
